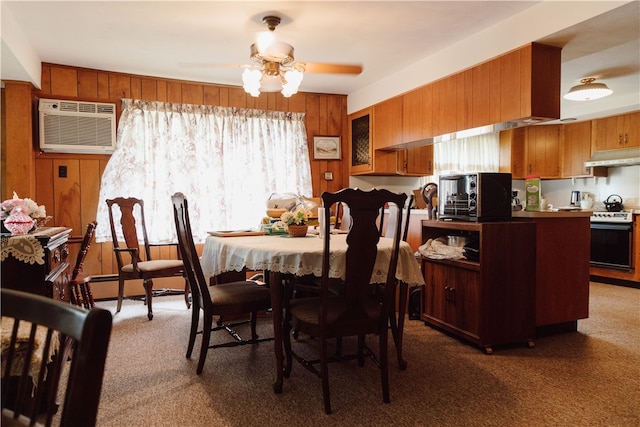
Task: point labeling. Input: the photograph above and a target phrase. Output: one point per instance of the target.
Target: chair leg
(254, 323)
(148, 288)
(384, 365)
(195, 320)
(84, 295)
(187, 290)
(204, 346)
(92, 303)
(361, 350)
(120, 294)
(76, 298)
(399, 327)
(324, 374)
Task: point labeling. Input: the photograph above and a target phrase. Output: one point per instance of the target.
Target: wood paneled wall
(72, 200)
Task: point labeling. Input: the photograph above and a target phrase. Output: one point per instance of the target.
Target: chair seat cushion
(242, 293)
(307, 309)
(155, 265)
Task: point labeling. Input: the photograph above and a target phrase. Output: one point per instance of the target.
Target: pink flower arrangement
(26, 205)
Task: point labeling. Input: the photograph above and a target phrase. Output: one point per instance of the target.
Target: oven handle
(611, 226)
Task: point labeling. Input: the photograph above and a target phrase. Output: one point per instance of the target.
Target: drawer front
(56, 256)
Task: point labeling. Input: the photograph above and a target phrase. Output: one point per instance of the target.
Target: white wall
(624, 181)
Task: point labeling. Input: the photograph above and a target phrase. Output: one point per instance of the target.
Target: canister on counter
(532, 193)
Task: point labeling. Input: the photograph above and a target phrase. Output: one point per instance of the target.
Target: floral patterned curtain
(227, 161)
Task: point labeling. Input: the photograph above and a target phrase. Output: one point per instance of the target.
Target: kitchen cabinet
(621, 131)
(387, 123)
(512, 152)
(48, 274)
(576, 150)
(360, 146)
(416, 161)
(364, 160)
(490, 302)
(562, 253)
(543, 151)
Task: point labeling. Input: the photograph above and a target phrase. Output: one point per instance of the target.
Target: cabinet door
(543, 151)
(416, 161)
(412, 107)
(512, 152)
(452, 295)
(387, 123)
(576, 149)
(631, 130)
(360, 145)
(606, 134)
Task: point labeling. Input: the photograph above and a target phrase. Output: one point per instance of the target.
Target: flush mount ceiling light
(588, 91)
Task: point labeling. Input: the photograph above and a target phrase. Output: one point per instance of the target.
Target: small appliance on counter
(429, 194)
(477, 197)
(575, 198)
(516, 204)
(613, 203)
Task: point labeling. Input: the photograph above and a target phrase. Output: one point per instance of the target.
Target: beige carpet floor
(587, 378)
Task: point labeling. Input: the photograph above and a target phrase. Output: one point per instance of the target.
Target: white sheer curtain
(473, 154)
(227, 161)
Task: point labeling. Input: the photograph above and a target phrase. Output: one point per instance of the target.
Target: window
(227, 161)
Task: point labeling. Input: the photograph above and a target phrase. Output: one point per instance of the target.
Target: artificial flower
(28, 206)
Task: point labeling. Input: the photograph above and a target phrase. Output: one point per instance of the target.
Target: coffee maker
(516, 205)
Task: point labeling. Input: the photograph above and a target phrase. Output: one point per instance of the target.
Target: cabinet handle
(626, 139)
(620, 139)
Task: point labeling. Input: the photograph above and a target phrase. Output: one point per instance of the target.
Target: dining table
(278, 255)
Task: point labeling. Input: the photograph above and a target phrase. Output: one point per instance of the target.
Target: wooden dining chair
(356, 311)
(397, 322)
(39, 337)
(231, 299)
(134, 262)
(80, 282)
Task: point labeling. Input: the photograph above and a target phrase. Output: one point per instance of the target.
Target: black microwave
(478, 197)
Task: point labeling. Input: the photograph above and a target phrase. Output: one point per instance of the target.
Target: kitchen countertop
(551, 214)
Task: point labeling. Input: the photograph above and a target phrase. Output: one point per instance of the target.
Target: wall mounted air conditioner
(77, 127)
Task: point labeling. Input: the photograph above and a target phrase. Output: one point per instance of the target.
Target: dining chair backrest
(84, 248)
(129, 226)
(42, 335)
(363, 237)
(193, 268)
(393, 212)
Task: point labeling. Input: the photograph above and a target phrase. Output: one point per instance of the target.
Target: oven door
(612, 245)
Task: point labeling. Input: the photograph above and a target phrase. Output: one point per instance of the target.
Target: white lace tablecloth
(300, 256)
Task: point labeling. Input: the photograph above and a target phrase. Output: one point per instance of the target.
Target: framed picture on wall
(326, 148)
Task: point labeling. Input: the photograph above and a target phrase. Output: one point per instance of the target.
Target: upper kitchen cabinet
(512, 149)
(387, 123)
(616, 132)
(576, 150)
(361, 145)
(416, 161)
(364, 159)
(543, 151)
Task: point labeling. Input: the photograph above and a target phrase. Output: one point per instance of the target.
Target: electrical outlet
(62, 171)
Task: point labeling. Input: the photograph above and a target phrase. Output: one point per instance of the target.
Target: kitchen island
(562, 245)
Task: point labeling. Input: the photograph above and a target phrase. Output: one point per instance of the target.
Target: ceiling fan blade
(210, 65)
(320, 67)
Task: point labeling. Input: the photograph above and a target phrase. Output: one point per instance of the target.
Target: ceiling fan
(273, 68)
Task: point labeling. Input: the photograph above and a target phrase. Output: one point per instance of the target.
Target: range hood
(611, 158)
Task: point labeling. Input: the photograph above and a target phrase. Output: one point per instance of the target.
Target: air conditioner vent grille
(77, 127)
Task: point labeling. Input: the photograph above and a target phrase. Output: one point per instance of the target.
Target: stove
(612, 217)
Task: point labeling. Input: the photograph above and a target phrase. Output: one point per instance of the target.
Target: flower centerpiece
(20, 215)
(296, 221)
